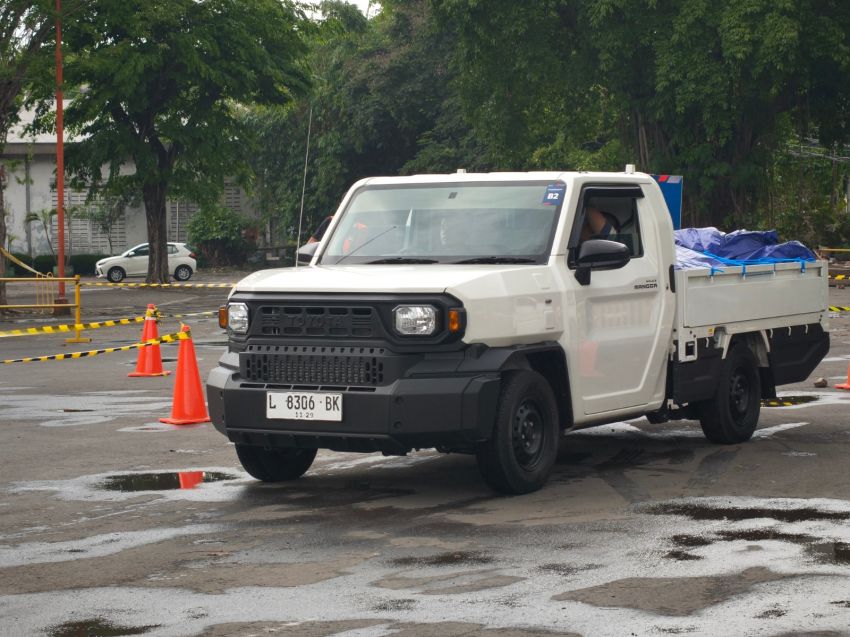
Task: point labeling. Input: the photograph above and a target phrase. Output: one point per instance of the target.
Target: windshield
(448, 223)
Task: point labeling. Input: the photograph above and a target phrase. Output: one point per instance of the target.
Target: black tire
(733, 414)
(519, 456)
(275, 465)
(115, 274)
(183, 273)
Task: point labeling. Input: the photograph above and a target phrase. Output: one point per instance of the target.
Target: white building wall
(39, 194)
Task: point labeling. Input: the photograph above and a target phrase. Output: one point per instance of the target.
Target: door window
(608, 212)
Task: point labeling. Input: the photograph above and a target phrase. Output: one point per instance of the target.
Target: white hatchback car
(134, 262)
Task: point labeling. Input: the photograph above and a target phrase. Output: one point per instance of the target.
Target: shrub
(44, 263)
(222, 236)
(84, 263)
(17, 270)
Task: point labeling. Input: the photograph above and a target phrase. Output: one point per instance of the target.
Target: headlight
(237, 318)
(415, 320)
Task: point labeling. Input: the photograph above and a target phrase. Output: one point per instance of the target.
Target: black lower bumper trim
(443, 411)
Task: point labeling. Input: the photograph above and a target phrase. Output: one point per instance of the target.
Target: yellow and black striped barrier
(167, 338)
(156, 285)
(839, 308)
(77, 327)
(56, 329)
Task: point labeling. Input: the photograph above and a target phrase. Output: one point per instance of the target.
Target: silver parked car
(134, 262)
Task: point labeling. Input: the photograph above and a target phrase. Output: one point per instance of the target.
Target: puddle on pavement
(690, 540)
(701, 512)
(830, 552)
(760, 535)
(454, 558)
(682, 556)
(97, 627)
(162, 481)
(788, 401)
(566, 570)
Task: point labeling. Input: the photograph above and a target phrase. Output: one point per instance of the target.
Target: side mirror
(306, 252)
(599, 254)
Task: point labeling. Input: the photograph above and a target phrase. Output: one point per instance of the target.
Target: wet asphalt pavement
(643, 530)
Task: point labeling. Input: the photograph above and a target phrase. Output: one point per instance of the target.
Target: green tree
(703, 89)
(25, 29)
(162, 84)
(106, 210)
(221, 235)
(383, 103)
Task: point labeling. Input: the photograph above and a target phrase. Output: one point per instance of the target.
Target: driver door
(621, 313)
(137, 261)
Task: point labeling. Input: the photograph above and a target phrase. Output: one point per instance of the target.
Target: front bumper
(438, 401)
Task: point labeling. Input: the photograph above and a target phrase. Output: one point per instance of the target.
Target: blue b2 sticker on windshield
(554, 194)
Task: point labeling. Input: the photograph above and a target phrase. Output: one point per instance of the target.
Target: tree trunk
(154, 196)
(2, 229)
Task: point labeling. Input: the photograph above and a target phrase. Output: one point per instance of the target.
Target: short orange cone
(847, 384)
(188, 406)
(150, 361)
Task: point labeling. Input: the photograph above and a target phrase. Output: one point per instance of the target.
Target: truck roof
(460, 177)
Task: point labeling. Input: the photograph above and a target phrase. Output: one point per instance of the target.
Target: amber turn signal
(222, 317)
(454, 321)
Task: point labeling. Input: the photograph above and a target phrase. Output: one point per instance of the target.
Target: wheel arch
(758, 343)
(549, 361)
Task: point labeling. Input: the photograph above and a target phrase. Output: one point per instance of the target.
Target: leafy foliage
(164, 84)
(383, 103)
(685, 86)
(222, 236)
(25, 29)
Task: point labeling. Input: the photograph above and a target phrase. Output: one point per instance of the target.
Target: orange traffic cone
(188, 406)
(847, 384)
(190, 479)
(150, 361)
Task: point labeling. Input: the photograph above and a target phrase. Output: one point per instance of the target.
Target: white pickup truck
(473, 313)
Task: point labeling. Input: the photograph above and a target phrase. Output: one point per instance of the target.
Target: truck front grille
(313, 365)
(316, 320)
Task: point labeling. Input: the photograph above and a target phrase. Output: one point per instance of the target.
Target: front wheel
(519, 456)
(275, 465)
(115, 274)
(183, 273)
(733, 414)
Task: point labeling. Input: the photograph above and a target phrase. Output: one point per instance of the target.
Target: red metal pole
(60, 155)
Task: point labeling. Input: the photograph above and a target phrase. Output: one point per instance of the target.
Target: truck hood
(506, 304)
(411, 279)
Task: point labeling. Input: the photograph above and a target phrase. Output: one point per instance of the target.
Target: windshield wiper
(401, 260)
(497, 260)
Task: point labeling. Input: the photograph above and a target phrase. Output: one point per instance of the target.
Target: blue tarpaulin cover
(711, 248)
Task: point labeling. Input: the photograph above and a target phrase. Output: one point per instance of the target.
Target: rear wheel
(520, 454)
(183, 273)
(733, 414)
(275, 465)
(116, 274)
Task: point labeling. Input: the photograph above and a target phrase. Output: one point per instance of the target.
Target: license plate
(303, 405)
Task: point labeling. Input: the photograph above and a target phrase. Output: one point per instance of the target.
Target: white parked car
(134, 262)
